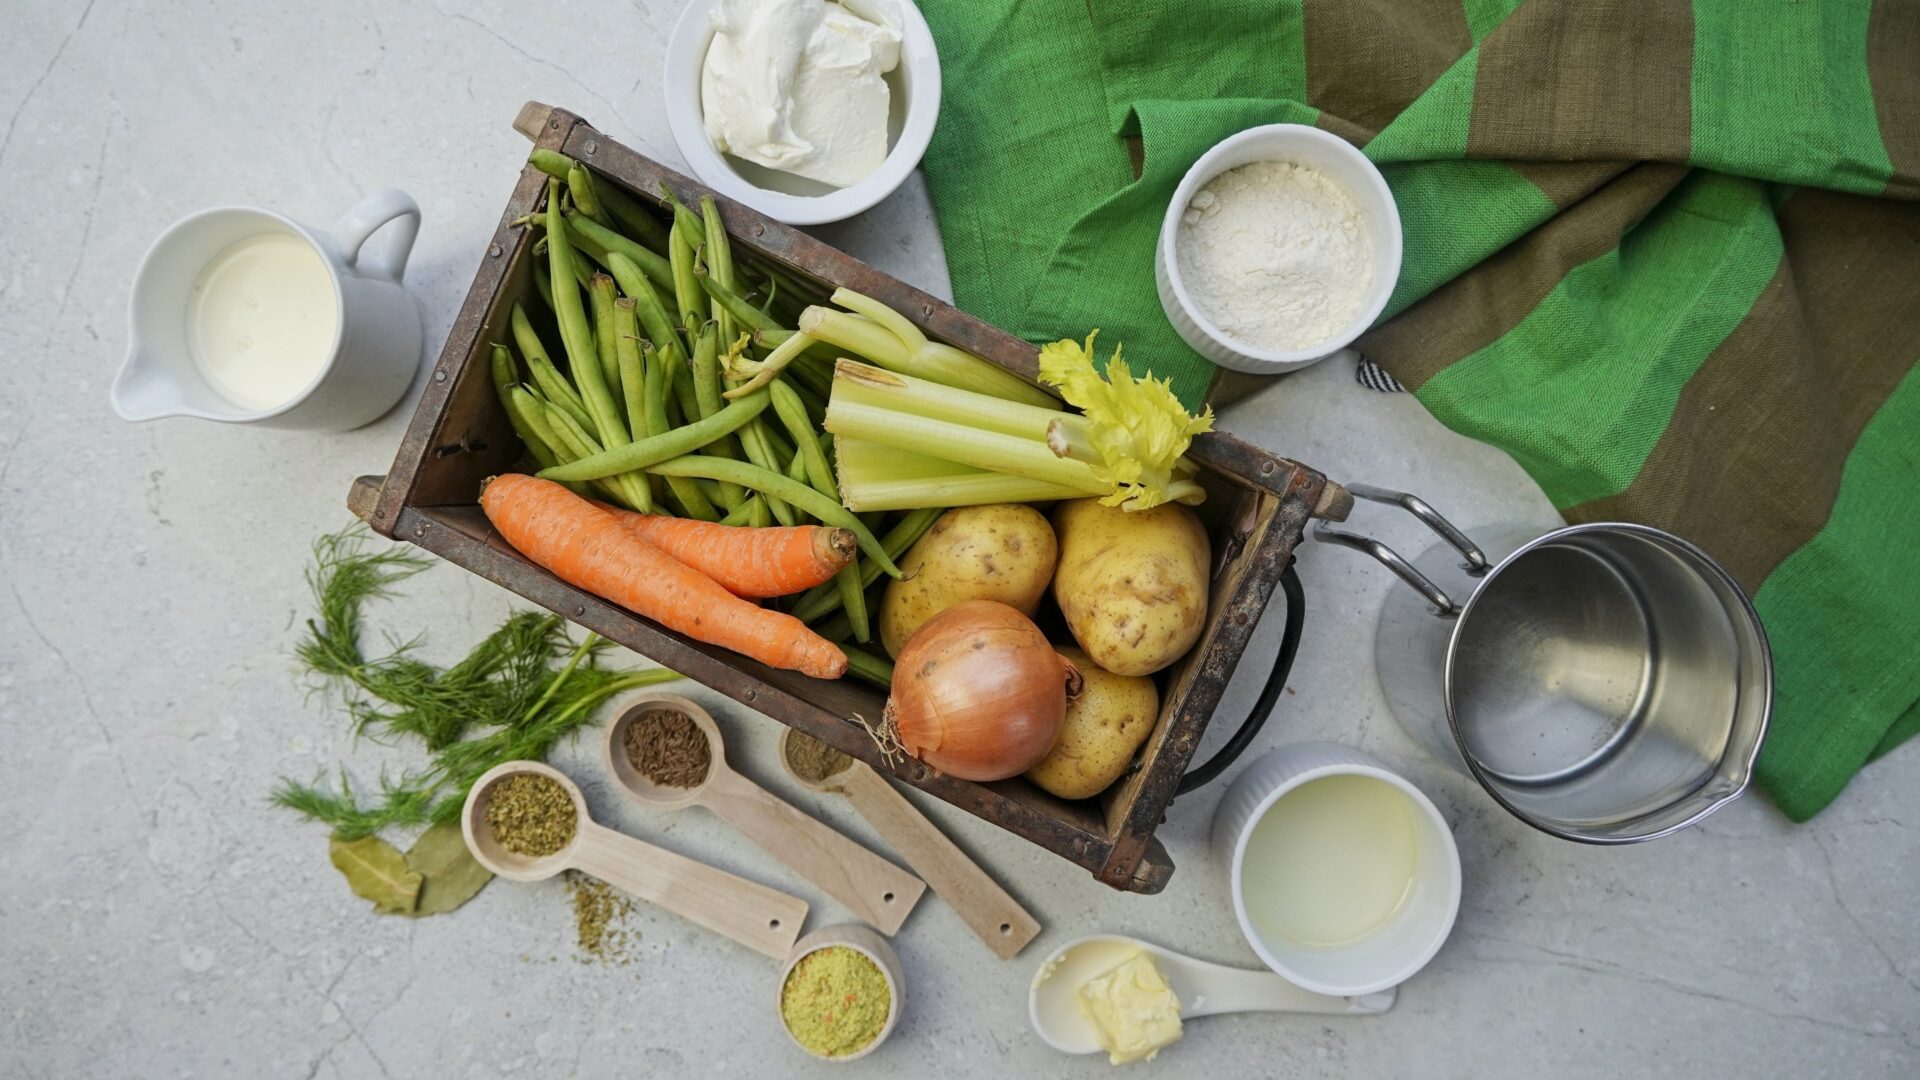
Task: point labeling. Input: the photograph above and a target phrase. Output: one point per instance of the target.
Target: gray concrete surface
(159, 919)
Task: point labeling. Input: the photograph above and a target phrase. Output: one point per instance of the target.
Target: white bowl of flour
(1280, 246)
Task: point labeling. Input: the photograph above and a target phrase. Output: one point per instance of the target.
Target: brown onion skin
(979, 693)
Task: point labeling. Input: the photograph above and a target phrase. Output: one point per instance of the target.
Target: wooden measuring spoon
(874, 889)
(763, 919)
(993, 915)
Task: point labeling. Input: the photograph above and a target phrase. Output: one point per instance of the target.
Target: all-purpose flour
(1277, 255)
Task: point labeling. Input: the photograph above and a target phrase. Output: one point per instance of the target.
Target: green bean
(770, 483)
(824, 599)
(693, 502)
(706, 392)
(600, 295)
(718, 253)
(505, 377)
(582, 354)
(684, 218)
(578, 444)
(691, 299)
(580, 185)
(793, 415)
(543, 283)
(547, 377)
(606, 243)
(753, 440)
(653, 313)
(612, 198)
(867, 667)
(762, 516)
(734, 304)
(684, 395)
(552, 162)
(658, 448)
(743, 514)
(797, 468)
(533, 409)
(633, 377)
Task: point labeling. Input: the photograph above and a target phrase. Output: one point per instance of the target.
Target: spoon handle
(993, 915)
(763, 919)
(1232, 990)
(876, 891)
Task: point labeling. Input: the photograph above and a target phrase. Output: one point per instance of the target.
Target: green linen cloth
(1666, 254)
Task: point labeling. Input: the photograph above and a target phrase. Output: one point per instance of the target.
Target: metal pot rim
(1741, 775)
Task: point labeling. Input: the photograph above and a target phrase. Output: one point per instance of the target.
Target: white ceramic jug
(376, 344)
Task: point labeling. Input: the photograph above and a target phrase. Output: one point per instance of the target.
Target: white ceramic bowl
(795, 200)
(860, 939)
(1388, 956)
(1303, 145)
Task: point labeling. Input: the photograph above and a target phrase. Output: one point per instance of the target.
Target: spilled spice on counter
(668, 748)
(599, 913)
(813, 760)
(531, 815)
(835, 1001)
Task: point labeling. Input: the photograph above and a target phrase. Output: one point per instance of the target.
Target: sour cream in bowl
(808, 111)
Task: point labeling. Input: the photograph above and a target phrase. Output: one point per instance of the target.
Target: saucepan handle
(1441, 603)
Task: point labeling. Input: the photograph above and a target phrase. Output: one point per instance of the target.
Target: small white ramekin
(1303, 145)
(1388, 956)
(917, 80)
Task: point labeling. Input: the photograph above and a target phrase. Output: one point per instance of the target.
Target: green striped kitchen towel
(1667, 254)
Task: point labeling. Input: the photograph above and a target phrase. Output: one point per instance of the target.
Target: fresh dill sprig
(508, 686)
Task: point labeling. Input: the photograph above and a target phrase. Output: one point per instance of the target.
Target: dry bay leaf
(450, 875)
(376, 871)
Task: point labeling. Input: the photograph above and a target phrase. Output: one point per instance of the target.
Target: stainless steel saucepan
(1607, 683)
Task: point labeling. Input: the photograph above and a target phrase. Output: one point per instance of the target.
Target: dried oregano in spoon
(519, 691)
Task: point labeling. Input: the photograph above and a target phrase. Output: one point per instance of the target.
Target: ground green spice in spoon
(835, 1001)
(531, 815)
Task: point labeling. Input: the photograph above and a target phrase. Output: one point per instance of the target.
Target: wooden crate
(1257, 505)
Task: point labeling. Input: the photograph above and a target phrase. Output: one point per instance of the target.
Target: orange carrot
(773, 561)
(586, 547)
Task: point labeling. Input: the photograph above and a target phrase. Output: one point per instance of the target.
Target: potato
(1133, 586)
(1113, 715)
(1003, 552)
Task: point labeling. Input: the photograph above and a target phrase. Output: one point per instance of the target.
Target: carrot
(748, 562)
(587, 547)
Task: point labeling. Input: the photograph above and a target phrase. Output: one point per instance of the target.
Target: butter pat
(796, 85)
(1133, 1008)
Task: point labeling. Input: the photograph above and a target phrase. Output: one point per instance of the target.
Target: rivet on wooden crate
(759, 230)
(751, 694)
(554, 123)
(580, 609)
(440, 375)
(493, 251)
(1266, 468)
(591, 146)
(1239, 618)
(419, 530)
(927, 310)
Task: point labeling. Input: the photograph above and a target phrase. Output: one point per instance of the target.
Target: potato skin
(1113, 715)
(1133, 586)
(1003, 551)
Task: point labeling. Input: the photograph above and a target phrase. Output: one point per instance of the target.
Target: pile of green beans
(660, 397)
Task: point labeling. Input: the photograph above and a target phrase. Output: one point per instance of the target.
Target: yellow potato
(1133, 586)
(1113, 715)
(1002, 552)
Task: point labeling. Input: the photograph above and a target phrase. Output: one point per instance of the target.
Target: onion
(979, 693)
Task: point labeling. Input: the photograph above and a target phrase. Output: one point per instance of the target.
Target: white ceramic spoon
(1204, 989)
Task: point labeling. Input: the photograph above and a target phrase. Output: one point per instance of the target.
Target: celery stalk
(890, 341)
(988, 450)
